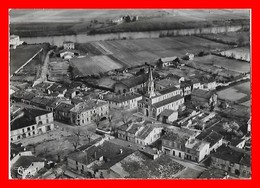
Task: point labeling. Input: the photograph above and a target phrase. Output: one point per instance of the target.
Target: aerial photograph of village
(130, 93)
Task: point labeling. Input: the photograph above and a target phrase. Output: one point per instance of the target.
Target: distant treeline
(147, 25)
(58, 29)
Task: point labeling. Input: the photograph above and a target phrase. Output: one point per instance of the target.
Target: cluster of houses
(186, 103)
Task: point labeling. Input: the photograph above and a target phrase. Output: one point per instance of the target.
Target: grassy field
(21, 55)
(90, 65)
(239, 93)
(136, 52)
(65, 22)
(230, 64)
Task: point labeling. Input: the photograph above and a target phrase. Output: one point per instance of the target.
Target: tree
(241, 41)
(74, 140)
(96, 119)
(125, 115)
(128, 18)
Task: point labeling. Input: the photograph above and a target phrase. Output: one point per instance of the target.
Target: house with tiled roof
(62, 112)
(96, 161)
(68, 45)
(126, 100)
(181, 142)
(204, 97)
(132, 84)
(168, 116)
(167, 61)
(26, 165)
(215, 139)
(31, 122)
(139, 133)
(22, 96)
(84, 113)
(233, 160)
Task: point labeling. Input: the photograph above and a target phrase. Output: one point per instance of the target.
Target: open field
(90, 65)
(66, 22)
(21, 55)
(239, 93)
(136, 52)
(230, 64)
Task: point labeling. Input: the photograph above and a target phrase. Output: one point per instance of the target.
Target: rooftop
(167, 59)
(145, 132)
(167, 101)
(195, 144)
(138, 165)
(233, 154)
(202, 93)
(26, 161)
(27, 118)
(167, 112)
(135, 81)
(110, 152)
(88, 105)
(64, 107)
(168, 90)
(212, 137)
(123, 97)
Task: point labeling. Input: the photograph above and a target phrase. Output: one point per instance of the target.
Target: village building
(30, 122)
(167, 61)
(62, 112)
(26, 165)
(168, 116)
(68, 45)
(133, 84)
(15, 41)
(96, 161)
(154, 102)
(215, 139)
(125, 100)
(169, 81)
(181, 142)
(70, 93)
(204, 97)
(86, 112)
(68, 53)
(22, 96)
(139, 133)
(233, 160)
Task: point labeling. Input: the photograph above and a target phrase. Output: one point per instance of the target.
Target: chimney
(121, 151)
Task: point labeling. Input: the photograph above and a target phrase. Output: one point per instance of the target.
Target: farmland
(21, 55)
(230, 64)
(104, 56)
(137, 52)
(90, 65)
(239, 93)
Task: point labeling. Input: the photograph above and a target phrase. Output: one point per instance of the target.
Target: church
(155, 102)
